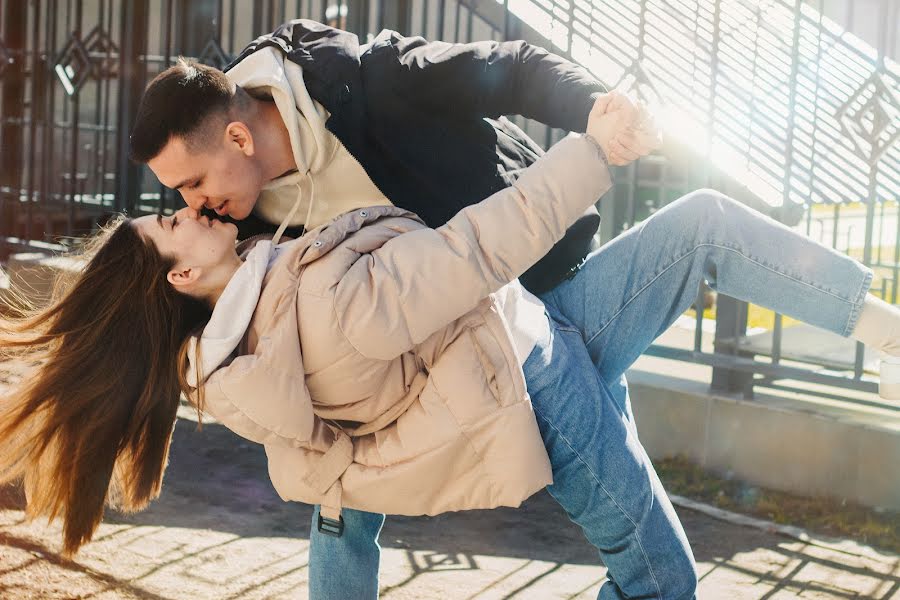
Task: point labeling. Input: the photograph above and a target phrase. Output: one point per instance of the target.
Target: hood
(232, 314)
(267, 73)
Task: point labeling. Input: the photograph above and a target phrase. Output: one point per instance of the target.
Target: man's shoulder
(303, 37)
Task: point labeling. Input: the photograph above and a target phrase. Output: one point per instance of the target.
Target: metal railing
(768, 101)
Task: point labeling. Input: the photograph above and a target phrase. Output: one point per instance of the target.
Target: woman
(384, 365)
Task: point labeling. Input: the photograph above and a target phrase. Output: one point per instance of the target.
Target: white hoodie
(341, 184)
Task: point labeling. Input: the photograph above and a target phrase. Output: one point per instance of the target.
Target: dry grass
(827, 516)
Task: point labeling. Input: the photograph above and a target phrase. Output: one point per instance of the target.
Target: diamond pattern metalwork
(73, 65)
(6, 58)
(213, 55)
(637, 81)
(873, 127)
(103, 51)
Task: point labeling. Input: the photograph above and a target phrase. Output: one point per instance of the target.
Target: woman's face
(200, 246)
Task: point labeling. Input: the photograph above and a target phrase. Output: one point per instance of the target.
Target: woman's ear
(183, 278)
(238, 134)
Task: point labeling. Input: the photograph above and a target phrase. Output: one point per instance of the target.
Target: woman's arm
(418, 282)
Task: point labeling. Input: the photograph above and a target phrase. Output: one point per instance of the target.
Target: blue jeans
(625, 295)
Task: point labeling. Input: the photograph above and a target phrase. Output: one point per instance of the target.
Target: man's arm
(490, 79)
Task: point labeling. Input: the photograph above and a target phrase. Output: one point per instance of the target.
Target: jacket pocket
(494, 363)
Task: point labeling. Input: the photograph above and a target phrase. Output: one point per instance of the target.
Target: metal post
(731, 324)
(197, 23)
(397, 16)
(12, 118)
(132, 75)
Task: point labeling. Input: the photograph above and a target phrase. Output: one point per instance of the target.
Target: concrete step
(803, 438)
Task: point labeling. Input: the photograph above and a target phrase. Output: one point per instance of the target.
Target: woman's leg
(633, 288)
(345, 567)
(603, 478)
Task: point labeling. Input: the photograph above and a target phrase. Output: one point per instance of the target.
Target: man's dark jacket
(425, 119)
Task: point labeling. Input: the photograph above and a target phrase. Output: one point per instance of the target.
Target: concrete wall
(770, 441)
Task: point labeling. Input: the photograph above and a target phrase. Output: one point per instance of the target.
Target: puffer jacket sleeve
(396, 296)
(239, 395)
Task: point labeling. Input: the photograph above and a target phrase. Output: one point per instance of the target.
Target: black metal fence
(761, 95)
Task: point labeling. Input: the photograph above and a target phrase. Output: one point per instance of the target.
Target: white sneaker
(889, 378)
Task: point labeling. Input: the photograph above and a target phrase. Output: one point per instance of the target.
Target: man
(307, 111)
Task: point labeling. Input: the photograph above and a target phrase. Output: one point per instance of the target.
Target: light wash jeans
(625, 295)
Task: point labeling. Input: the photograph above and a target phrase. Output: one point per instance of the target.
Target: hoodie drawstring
(290, 216)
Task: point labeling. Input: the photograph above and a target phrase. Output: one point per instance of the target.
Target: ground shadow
(216, 480)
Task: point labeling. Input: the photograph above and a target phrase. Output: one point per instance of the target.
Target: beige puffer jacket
(377, 370)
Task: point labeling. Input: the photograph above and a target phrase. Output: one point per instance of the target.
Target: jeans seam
(858, 304)
(610, 496)
(721, 247)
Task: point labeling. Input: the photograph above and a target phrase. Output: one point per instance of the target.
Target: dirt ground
(219, 531)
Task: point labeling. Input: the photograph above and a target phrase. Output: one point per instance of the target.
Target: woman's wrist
(597, 146)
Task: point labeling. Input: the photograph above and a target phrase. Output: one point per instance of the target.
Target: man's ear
(183, 278)
(238, 135)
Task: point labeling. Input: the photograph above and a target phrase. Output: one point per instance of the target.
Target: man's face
(222, 178)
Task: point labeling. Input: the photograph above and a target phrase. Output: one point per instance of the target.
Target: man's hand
(624, 128)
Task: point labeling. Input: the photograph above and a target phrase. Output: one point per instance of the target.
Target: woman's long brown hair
(92, 423)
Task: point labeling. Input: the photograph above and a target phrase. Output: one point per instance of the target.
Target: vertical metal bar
(792, 112)
(165, 198)
(257, 19)
(48, 148)
(731, 314)
(699, 308)
(440, 24)
(167, 34)
(834, 227)
(93, 169)
(132, 73)
(13, 91)
(232, 47)
(895, 265)
(425, 4)
(37, 71)
(74, 141)
(776, 339)
(789, 154)
(106, 103)
(816, 103)
(220, 14)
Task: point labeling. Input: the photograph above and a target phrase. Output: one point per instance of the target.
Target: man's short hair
(186, 100)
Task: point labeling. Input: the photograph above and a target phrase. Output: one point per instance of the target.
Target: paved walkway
(220, 532)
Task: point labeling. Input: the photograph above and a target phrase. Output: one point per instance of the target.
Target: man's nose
(195, 201)
(187, 212)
